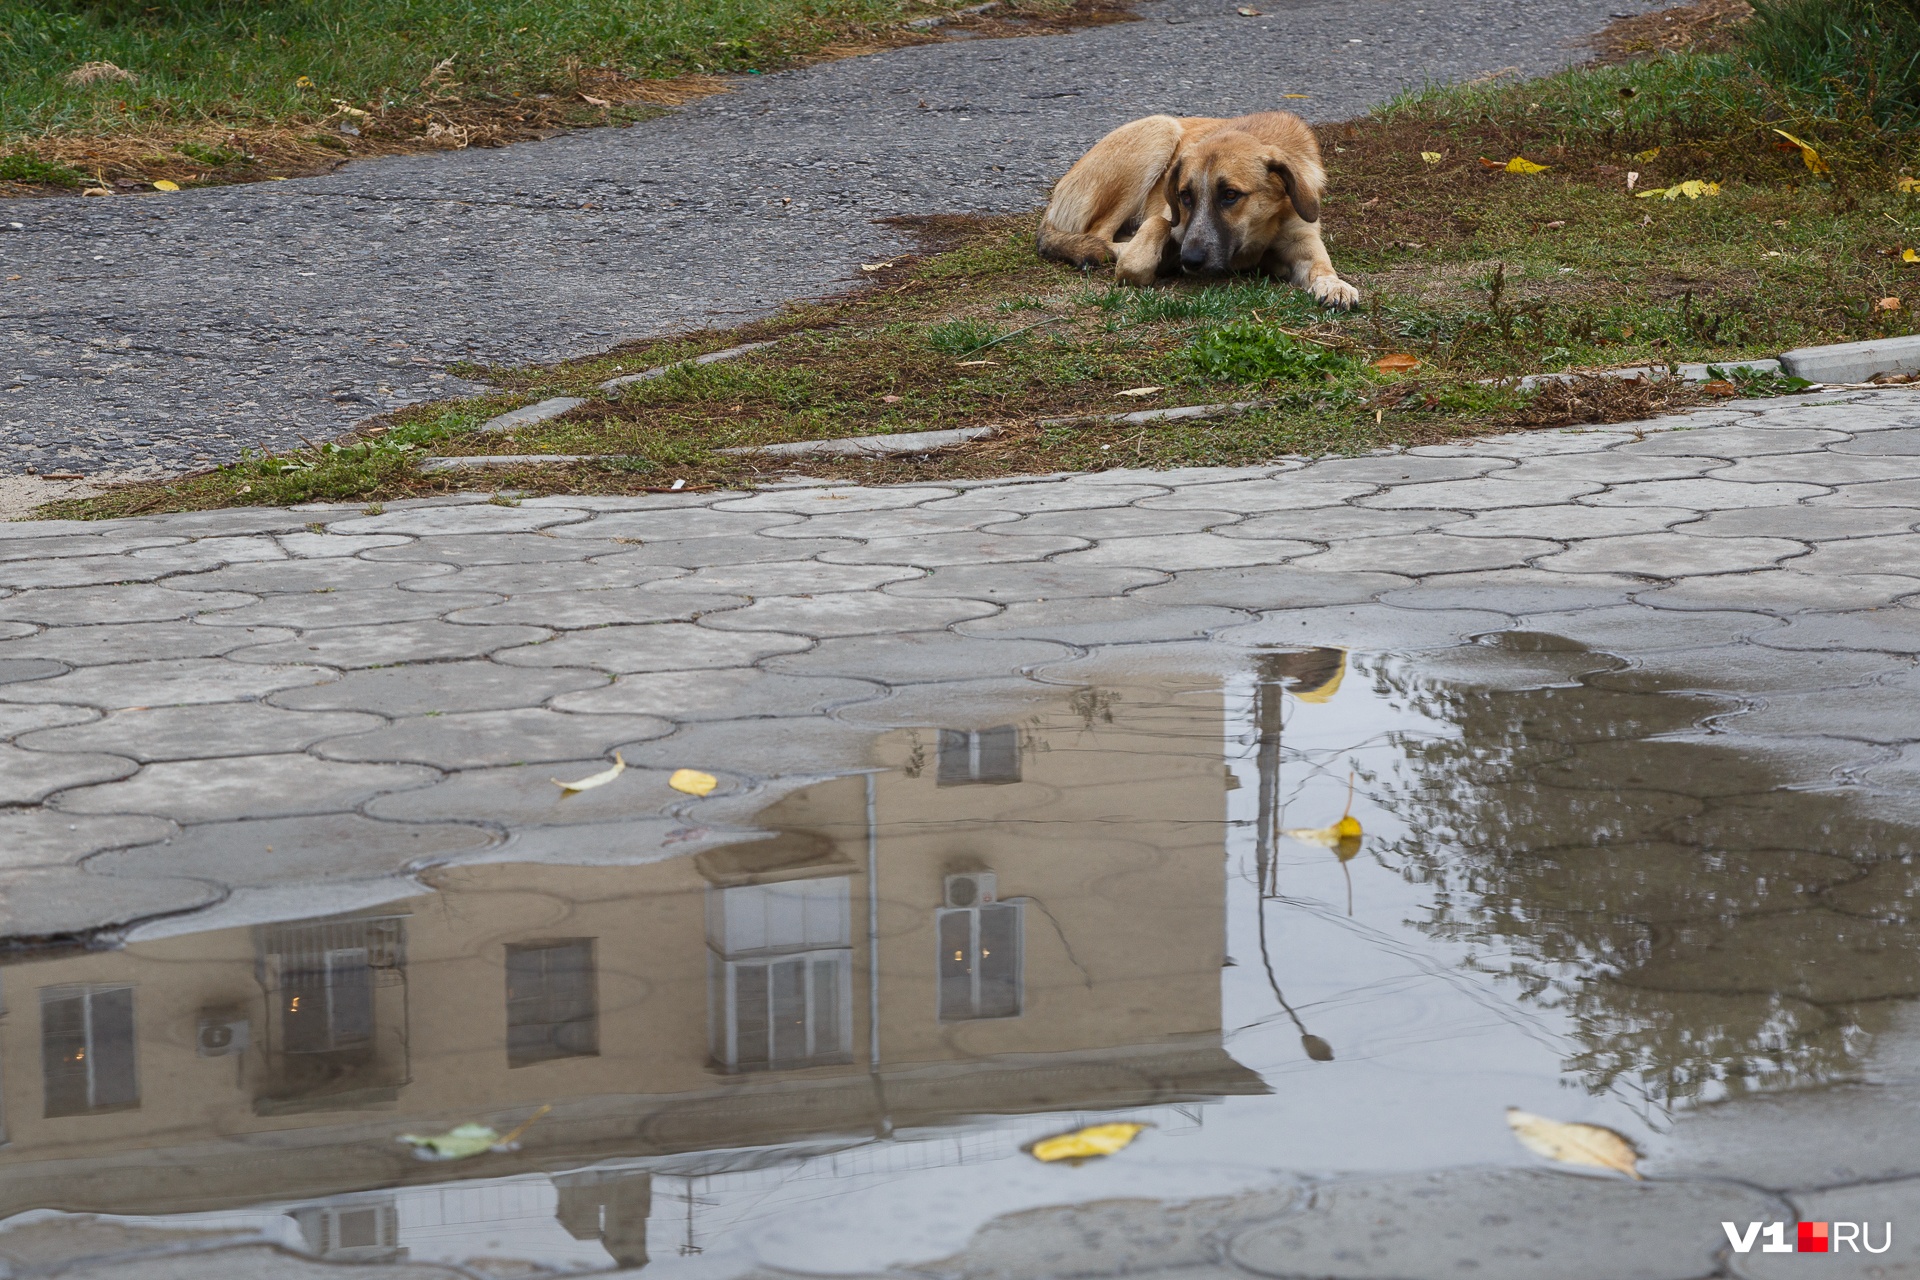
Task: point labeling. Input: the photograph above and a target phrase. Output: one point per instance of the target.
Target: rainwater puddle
(825, 1050)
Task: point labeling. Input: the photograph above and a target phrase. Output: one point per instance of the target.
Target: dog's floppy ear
(1301, 189)
(1172, 191)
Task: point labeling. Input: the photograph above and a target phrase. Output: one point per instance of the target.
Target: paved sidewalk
(171, 332)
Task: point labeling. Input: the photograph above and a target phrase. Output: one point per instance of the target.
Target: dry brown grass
(1706, 26)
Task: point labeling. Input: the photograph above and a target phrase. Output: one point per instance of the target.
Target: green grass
(1842, 59)
(1478, 273)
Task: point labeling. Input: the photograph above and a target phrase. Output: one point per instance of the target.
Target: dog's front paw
(1332, 291)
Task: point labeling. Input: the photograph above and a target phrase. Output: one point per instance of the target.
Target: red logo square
(1813, 1237)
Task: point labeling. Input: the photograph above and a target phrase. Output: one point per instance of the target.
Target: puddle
(825, 1049)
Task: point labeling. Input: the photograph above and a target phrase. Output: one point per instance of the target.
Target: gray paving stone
(675, 524)
(1394, 468)
(271, 786)
(662, 646)
(278, 851)
(202, 732)
(745, 749)
(1783, 591)
(47, 902)
(379, 645)
(1636, 629)
(211, 553)
(1119, 522)
(1706, 494)
(473, 739)
(83, 571)
(437, 688)
(1753, 669)
(333, 546)
(834, 499)
(1042, 581)
(467, 518)
(926, 655)
(1882, 631)
(1751, 438)
(469, 549)
(566, 610)
(1181, 476)
(933, 550)
(1480, 494)
(83, 544)
(789, 578)
(1126, 620)
(1897, 442)
(1613, 468)
(1882, 493)
(1822, 466)
(1806, 1138)
(172, 682)
(1501, 1223)
(28, 777)
(1056, 495)
(849, 613)
(1671, 555)
(18, 670)
(1177, 552)
(290, 576)
(1373, 627)
(43, 838)
(890, 522)
(1257, 587)
(1439, 552)
(132, 603)
(615, 572)
(25, 718)
(527, 796)
(1334, 524)
(1296, 492)
(707, 553)
(1806, 523)
(1569, 523)
(734, 693)
(1882, 712)
(372, 606)
(1888, 1207)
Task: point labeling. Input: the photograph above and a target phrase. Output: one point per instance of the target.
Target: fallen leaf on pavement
(1296, 95)
(870, 266)
(1139, 391)
(164, 185)
(1084, 1144)
(693, 782)
(1720, 387)
(1587, 1144)
(1248, 11)
(467, 1140)
(1398, 362)
(600, 779)
(97, 191)
(1808, 156)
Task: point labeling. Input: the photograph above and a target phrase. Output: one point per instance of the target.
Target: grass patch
(1476, 272)
(200, 91)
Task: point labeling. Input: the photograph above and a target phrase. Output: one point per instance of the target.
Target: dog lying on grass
(1167, 194)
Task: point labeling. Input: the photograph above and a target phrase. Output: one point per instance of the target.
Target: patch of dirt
(1706, 26)
(1595, 398)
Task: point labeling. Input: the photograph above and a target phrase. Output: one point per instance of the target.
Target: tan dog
(1196, 194)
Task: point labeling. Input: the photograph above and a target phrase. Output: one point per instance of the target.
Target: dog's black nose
(1193, 259)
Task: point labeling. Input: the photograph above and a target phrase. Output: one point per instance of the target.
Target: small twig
(1003, 337)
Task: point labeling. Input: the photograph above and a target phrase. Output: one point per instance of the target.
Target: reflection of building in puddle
(957, 935)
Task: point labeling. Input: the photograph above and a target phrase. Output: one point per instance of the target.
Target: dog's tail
(1076, 248)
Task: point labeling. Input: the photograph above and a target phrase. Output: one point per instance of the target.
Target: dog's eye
(1230, 197)
(1186, 198)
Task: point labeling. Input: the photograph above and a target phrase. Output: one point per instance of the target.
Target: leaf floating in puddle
(1588, 1144)
(463, 1142)
(693, 782)
(1085, 1144)
(1336, 836)
(600, 779)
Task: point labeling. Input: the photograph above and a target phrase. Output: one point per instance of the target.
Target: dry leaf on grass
(1587, 1144)
(1904, 183)
(1137, 392)
(1520, 164)
(1887, 304)
(1085, 1144)
(1431, 157)
(1908, 255)
(600, 779)
(1692, 189)
(1808, 156)
(592, 101)
(1651, 153)
(98, 72)
(1398, 362)
(693, 782)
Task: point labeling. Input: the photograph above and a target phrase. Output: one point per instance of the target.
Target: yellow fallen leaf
(164, 185)
(1137, 392)
(600, 779)
(1431, 157)
(1904, 183)
(1808, 156)
(693, 782)
(1651, 153)
(1343, 837)
(1520, 164)
(1587, 1144)
(341, 105)
(1084, 1144)
(1908, 255)
(1296, 95)
(1692, 189)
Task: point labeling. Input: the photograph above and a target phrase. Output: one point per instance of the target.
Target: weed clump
(1249, 351)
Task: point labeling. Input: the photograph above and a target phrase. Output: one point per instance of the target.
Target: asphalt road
(167, 332)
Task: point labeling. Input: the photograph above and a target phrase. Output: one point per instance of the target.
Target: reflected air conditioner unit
(971, 889)
(223, 1032)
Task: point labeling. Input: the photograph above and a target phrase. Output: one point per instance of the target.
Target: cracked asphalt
(166, 333)
(371, 694)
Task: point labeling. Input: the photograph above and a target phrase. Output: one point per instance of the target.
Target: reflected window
(326, 1004)
(980, 959)
(86, 1050)
(978, 755)
(781, 974)
(553, 1009)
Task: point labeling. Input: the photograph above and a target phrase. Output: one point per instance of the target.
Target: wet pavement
(1019, 825)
